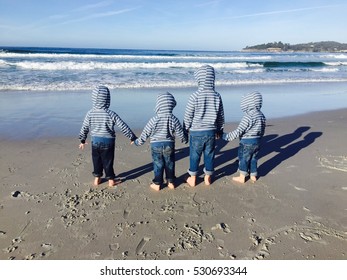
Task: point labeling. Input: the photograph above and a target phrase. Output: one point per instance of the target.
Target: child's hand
(81, 146)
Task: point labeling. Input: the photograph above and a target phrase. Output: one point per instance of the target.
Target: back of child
(162, 129)
(203, 120)
(100, 122)
(250, 131)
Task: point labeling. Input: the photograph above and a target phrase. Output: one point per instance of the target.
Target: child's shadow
(136, 172)
(283, 147)
(222, 157)
(270, 144)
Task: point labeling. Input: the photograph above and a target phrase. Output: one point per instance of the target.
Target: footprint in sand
(114, 247)
(224, 227)
(126, 213)
(141, 245)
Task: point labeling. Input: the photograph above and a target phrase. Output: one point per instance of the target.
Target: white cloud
(285, 11)
(99, 15)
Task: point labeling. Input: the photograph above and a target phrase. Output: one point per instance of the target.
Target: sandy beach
(296, 210)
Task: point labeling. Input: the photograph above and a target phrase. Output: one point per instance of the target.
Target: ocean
(55, 69)
(46, 91)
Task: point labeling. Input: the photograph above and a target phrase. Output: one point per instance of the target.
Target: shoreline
(56, 114)
(296, 210)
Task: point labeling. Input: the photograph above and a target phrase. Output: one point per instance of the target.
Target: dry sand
(297, 210)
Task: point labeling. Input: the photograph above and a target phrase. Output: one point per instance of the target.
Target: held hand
(132, 141)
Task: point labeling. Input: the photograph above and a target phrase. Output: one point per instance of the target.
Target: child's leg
(158, 167)
(108, 161)
(169, 159)
(196, 147)
(244, 158)
(97, 164)
(209, 154)
(254, 164)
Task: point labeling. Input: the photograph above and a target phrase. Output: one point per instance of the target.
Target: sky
(220, 25)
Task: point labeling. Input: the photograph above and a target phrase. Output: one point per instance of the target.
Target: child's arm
(179, 131)
(220, 119)
(124, 128)
(84, 131)
(239, 131)
(189, 114)
(147, 131)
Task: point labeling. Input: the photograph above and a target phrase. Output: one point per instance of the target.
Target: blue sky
(170, 24)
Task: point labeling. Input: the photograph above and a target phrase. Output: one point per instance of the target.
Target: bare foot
(208, 180)
(239, 179)
(97, 181)
(155, 187)
(191, 180)
(112, 182)
(254, 179)
(171, 186)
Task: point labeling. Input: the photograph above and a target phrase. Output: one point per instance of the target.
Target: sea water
(57, 69)
(47, 91)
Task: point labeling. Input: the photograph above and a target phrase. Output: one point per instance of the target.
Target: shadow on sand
(282, 147)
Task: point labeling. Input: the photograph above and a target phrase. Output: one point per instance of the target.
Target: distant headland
(325, 46)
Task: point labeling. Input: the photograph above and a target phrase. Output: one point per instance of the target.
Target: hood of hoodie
(165, 104)
(205, 77)
(101, 97)
(251, 101)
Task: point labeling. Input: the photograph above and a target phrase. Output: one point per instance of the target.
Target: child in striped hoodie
(204, 121)
(161, 129)
(250, 131)
(100, 121)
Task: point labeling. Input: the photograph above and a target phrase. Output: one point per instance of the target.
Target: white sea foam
(82, 85)
(336, 63)
(249, 71)
(334, 56)
(325, 69)
(128, 57)
(73, 65)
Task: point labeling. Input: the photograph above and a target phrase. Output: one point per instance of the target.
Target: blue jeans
(201, 142)
(163, 154)
(103, 157)
(248, 156)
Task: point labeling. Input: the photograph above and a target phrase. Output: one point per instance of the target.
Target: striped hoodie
(204, 110)
(100, 120)
(253, 122)
(164, 125)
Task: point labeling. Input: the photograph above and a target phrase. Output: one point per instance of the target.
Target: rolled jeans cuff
(194, 173)
(208, 172)
(245, 173)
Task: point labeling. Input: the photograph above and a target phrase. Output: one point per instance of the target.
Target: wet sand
(296, 210)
